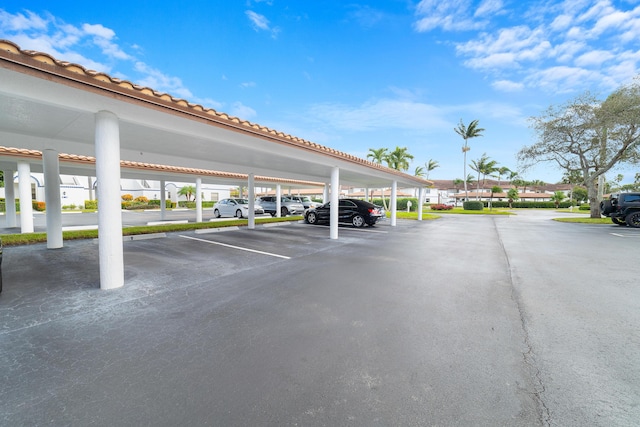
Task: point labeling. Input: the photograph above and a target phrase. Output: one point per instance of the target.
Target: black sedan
(352, 211)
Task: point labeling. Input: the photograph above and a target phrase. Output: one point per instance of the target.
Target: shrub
(127, 197)
(584, 207)
(141, 199)
(156, 202)
(90, 204)
(441, 207)
(38, 206)
(521, 204)
(473, 205)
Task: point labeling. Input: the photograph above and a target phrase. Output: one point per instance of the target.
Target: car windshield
(242, 201)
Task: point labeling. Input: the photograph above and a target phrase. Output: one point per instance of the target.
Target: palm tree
(512, 194)
(489, 167)
(377, 156)
(187, 191)
(483, 166)
(467, 132)
(398, 159)
(536, 184)
(430, 165)
(558, 197)
(494, 189)
(418, 172)
(502, 171)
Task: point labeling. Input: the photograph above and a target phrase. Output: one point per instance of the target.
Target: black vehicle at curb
(352, 211)
(623, 209)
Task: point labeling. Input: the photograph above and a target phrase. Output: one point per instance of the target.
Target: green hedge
(473, 205)
(518, 204)
(401, 204)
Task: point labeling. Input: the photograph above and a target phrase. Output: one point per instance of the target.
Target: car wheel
(357, 221)
(238, 213)
(284, 211)
(312, 218)
(606, 207)
(618, 221)
(633, 219)
(216, 213)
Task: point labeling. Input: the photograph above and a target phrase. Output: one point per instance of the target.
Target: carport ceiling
(45, 103)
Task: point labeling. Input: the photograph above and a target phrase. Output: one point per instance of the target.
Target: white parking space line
(625, 235)
(364, 229)
(236, 247)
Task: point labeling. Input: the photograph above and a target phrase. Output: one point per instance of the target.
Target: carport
(58, 107)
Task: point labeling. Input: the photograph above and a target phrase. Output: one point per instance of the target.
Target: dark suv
(623, 209)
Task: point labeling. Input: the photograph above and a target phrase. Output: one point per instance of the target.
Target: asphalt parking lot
(466, 320)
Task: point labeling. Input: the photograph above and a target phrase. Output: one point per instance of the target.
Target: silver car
(287, 206)
(235, 207)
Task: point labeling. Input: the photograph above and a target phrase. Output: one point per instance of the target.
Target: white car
(235, 207)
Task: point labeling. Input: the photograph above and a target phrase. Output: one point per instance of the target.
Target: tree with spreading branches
(589, 137)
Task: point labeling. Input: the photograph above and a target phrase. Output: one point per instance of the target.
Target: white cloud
(562, 79)
(489, 7)
(241, 111)
(549, 40)
(450, 15)
(379, 114)
(21, 22)
(159, 81)
(594, 58)
(507, 86)
(259, 22)
(98, 30)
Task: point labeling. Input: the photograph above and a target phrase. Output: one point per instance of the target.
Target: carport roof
(73, 164)
(48, 103)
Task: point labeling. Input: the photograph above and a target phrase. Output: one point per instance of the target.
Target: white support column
(90, 187)
(366, 194)
(51, 169)
(333, 209)
(325, 192)
(420, 202)
(24, 192)
(394, 202)
(198, 199)
(10, 199)
(252, 201)
(107, 145)
(278, 197)
(163, 200)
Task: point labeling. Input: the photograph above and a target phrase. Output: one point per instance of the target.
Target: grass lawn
(26, 239)
(586, 220)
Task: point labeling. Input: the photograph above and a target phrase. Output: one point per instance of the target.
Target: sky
(356, 75)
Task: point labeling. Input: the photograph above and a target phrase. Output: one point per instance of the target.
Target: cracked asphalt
(462, 321)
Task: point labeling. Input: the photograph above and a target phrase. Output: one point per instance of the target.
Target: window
(215, 197)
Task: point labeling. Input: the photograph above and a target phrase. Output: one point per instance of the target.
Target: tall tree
(399, 159)
(589, 136)
(377, 155)
(429, 166)
(467, 132)
(503, 171)
(187, 191)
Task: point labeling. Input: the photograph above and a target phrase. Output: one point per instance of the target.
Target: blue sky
(356, 75)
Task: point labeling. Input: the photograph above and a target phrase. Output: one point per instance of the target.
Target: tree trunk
(594, 201)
